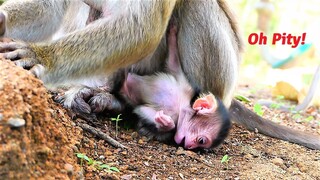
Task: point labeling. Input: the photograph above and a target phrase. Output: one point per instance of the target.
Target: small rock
(146, 163)
(154, 177)
(181, 151)
(126, 177)
(248, 156)
(293, 170)
(302, 167)
(278, 161)
(1, 117)
(181, 176)
(134, 135)
(141, 141)
(145, 139)
(16, 122)
(108, 153)
(69, 168)
(102, 157)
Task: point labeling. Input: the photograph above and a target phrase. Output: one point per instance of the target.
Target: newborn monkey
(164, 103)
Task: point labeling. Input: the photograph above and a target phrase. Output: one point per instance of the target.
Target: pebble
(248, 157)
(102, 157)
(126, 177)
(181, 176)
(16, 122)
(108, 153)
(140, 141)
(146, 163)
(278, 161)
(302, 167)
(134, 135)
(69, 168)
(1, 117)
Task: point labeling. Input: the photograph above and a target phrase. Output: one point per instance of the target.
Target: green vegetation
(257, 108)
(242, 98)
(96, 164)
(117, 119)
(308, 119)
(225, 160)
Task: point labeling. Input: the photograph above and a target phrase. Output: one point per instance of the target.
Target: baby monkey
(164, 103)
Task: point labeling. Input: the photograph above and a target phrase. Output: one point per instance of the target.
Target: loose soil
(45, 146)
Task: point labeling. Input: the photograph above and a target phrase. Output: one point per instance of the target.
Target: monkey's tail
(242, 115)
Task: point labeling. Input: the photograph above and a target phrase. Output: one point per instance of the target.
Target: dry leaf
(285, 89)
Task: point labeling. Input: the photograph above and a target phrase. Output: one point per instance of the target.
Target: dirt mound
(37, 139)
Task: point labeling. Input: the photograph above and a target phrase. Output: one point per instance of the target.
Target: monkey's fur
(131, 32)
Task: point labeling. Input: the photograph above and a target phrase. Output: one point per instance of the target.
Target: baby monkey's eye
(201, 140)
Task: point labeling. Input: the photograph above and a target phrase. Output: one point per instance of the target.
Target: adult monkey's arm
(132, 31)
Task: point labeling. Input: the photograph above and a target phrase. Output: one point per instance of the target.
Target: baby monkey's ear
(205, 104)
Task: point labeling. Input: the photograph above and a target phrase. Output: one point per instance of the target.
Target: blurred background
(263, 66)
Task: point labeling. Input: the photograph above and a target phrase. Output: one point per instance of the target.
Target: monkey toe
(80, 106)
(105, 102)
(98, 102)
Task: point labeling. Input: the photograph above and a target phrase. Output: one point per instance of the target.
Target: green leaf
(258, 109)
(114, 169)
(296, 116)
(275, 106)
(104, 166)
(98, 162)
(117, 118)
(80, 155)
(308, 119)
(90, 161)
(242, 98)
(225, 159)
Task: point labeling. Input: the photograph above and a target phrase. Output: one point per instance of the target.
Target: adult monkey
(129, 32)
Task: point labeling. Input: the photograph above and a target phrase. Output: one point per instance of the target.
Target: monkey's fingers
(75, 99)
(105, 101)
(19, 54)
(27, 63)
(12, 46)
(37, 70)
(99, 102)
(85, 94)
(80, 106)
(82, 110)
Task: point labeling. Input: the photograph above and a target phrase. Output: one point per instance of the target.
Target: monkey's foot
(164, 122)
(75, 101)
(105, 101)
(85, 102)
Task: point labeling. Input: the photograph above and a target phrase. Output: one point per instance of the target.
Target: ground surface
(45, 145)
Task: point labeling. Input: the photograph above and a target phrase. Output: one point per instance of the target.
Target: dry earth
(39, 140)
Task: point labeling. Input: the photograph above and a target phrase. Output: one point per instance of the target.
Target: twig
(101, 135)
